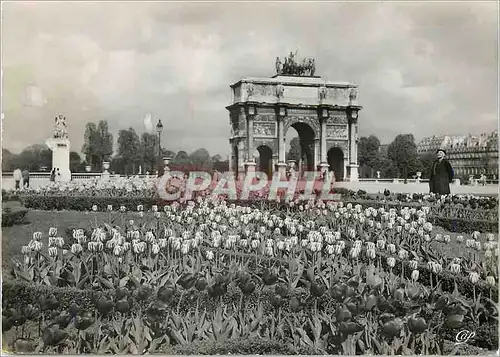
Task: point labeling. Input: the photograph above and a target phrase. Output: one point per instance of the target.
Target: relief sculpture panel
(266, 129)
(237, 92)
(312, 121)
(337, 93)
(337, 120)
(265, 118)
(336, 132)
(263, 89)
(343, 145)
(271, 143)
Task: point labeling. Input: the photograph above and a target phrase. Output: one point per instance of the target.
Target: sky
(422, 68)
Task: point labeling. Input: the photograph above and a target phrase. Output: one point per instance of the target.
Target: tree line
(135, 152)
(398, 159)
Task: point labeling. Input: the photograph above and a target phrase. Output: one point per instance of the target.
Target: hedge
(13, 213)
(237, 347)
(461, 225)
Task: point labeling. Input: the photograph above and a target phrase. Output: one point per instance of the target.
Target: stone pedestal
(105, 173)
(281, 168)
(323, 167)
(60, 156)
(353, 173)
(250, 167)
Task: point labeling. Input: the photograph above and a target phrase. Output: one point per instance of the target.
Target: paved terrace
(369, 185)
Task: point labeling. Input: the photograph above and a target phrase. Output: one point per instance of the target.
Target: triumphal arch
(324, 114)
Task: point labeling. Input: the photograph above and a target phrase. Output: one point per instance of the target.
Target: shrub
(459, 225)
(13, 213)
(236, 347)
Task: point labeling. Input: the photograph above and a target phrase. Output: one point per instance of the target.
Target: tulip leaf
(106, 283)
(123, 281)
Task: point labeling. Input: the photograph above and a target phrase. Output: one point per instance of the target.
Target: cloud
(427, 68)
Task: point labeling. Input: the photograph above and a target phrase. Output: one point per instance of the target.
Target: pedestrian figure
(26, 178)
(53, 174)
(58, 175)
(18, 175)
(441, 175)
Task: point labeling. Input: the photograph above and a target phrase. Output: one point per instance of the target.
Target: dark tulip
(455, 321)
(121, 293)
(281, 290)
(53, 302)
(295, 304)
(399, 294)
(144, 292)
(201, 284)
(84, 321)
(336, 292)
(165, 293)
(30, 312)
(393, 328)
(104, 306)
(269, 278)
(222, 278)
(52, 335)
(348, 328)
(343, 314)
(122, 306)
(244, 277)
(248, 288)
(187, 281)
(74, 309)
(6, 323)
(353, 282)
(385, 317)
(442, 302)
(371, 302)
(217, 289)
(44, 303)
(413, 292)
(63, 319)
(317, 290)
(417, 324)
(352, 307)
(276, 301)
(383, 304)
(349, 291)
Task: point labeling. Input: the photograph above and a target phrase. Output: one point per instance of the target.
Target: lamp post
(159, 129)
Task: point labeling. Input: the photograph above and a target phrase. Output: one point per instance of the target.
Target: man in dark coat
(441, 175)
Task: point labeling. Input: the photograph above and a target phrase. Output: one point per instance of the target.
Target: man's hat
(438, 150)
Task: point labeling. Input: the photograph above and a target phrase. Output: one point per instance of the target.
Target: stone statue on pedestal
(60, 128)
(60, 146)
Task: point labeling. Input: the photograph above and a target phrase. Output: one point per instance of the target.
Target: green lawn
(13, 238)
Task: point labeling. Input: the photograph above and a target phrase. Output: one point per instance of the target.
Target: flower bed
(329, 278)
(456, 220)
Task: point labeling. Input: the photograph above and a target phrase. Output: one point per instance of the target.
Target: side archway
(236, 161)
(307, 145)
(265, 159)
(335, 159)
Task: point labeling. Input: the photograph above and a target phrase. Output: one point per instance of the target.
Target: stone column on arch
(353, 155)
(317, 153)
(248, 114)
(323, 118)
(280, 118)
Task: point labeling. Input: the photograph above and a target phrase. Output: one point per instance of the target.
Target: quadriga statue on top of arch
(291, 67)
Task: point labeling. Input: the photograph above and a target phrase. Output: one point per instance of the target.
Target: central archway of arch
(308, 146)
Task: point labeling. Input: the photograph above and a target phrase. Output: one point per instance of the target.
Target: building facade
(468, 154)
